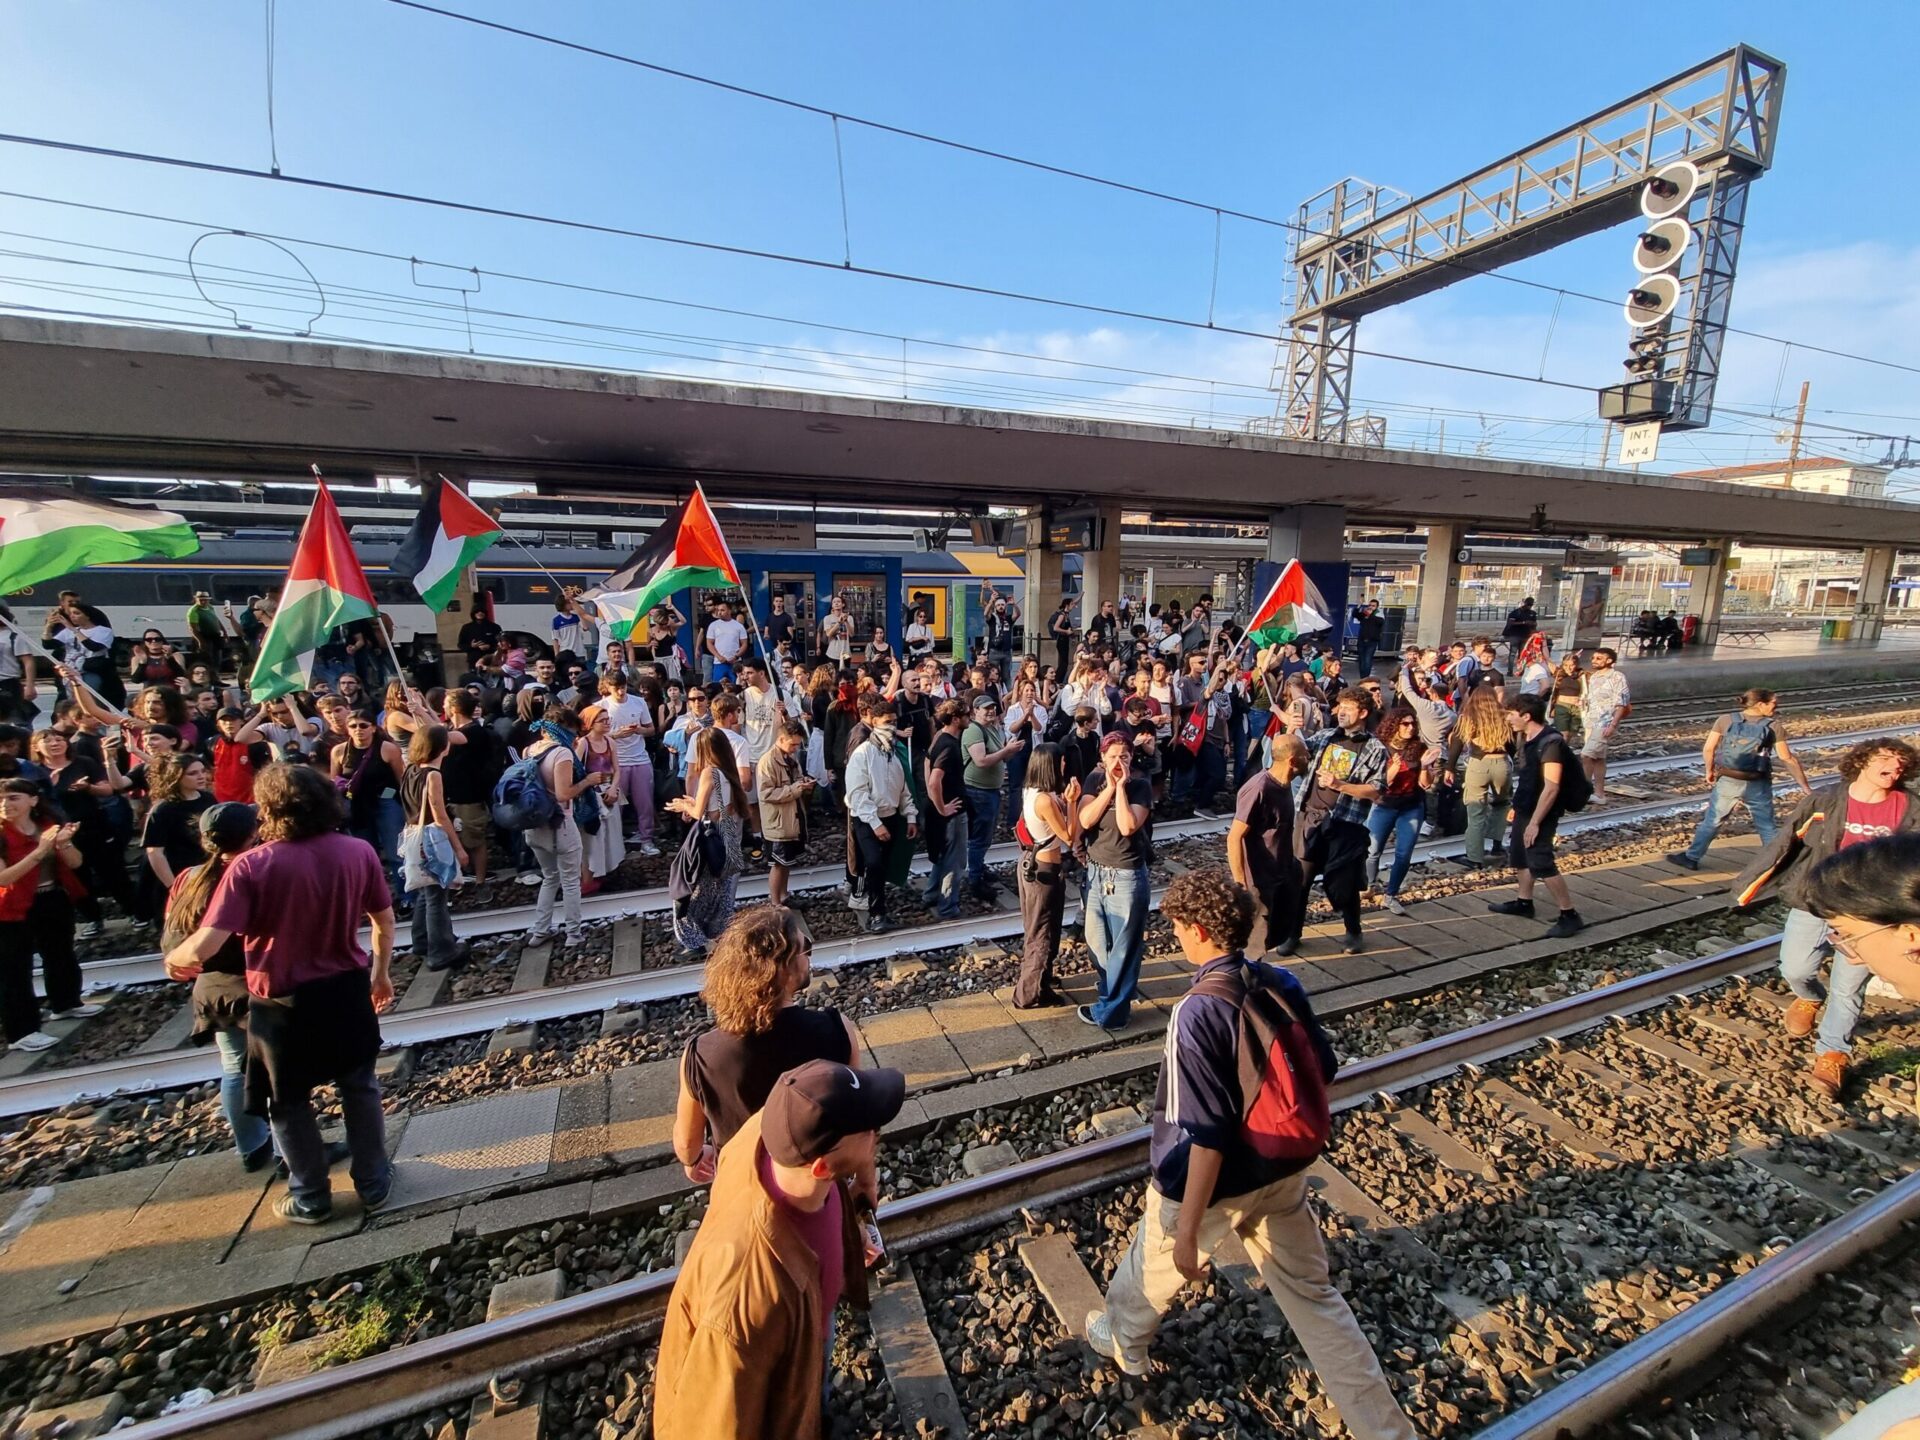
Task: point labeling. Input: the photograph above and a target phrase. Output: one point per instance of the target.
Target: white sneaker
(529, 879)
(1100, 1338)
(1882, 990)
(92, 930)
(38, 1040)
(78, 1012)
(649, 848)
(1394, 907)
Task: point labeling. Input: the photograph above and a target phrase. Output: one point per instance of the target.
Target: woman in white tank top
(1050, 815)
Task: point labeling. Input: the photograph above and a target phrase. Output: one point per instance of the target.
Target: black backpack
(1576, 791)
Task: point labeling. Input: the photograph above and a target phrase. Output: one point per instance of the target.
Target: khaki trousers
(1283, 1239)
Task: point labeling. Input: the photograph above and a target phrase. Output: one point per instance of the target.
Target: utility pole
(1793, 448)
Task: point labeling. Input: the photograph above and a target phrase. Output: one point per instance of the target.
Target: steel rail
(357, 1397)
(145, 968)
(139, 1074)
(1700, 1333)
(617, 905)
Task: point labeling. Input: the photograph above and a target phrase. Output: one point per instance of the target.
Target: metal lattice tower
(1359, 247)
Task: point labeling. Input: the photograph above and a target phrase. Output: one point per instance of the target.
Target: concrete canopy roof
(134, 400)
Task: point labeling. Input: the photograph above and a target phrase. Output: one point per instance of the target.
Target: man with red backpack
(1239, 1115)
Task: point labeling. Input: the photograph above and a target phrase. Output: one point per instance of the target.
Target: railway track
(51, 1086)
(1542, 1219)
(146, 968)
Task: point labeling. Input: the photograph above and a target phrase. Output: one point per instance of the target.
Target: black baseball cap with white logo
(817, 1105)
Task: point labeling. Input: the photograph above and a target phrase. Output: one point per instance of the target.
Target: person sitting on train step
(297, 902)
(1208, 1180)
(1873, 798)
(749, 1327)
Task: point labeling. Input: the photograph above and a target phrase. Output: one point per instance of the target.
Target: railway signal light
(1647, 351)
(1661, 245)
(1670, 190)
(1652, 300)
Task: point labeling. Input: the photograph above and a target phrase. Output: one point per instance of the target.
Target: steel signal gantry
(1359, 247)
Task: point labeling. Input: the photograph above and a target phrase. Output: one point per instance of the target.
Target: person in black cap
(749, 1326)
(220, 989)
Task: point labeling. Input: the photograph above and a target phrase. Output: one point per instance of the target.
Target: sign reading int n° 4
(1639, 443)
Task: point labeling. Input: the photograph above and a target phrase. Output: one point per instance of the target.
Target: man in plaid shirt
(1345, 777)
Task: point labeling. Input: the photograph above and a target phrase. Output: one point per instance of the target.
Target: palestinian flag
(1293, 607)
(46, 532)
(325, 587)
(448, 535)
(691, 552)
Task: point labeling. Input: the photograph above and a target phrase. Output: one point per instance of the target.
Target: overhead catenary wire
(500, 212)
(894, 337)
(858, 369)
(1046, 167)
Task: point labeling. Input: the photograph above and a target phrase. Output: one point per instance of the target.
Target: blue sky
(1247, 106)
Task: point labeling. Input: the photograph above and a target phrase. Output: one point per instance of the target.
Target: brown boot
(1830, 1072)
(1801, 1016)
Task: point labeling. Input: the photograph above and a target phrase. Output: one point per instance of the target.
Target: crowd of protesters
(754, 743)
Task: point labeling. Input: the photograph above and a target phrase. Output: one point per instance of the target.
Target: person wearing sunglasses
(154, 662)
(1872, 800)
(1869, 896)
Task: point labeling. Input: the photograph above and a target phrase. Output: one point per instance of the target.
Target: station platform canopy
(82, 397)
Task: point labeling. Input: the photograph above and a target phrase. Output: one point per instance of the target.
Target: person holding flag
(448, 534)
(689, 553)
(325, 588)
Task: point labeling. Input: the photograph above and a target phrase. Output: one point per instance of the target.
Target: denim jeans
(1363, 666)
(388, 821)
(1727, 793)
(1404, 825)
(250, 1132)
(1251, 755)
(1116, 925)
(1803, 946)
(949, 864)
(1209, 773)
(296, 1135)
(982, 820)
(433, 938)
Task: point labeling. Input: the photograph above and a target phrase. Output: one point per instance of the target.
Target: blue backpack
(521, 800)
(1745, 751)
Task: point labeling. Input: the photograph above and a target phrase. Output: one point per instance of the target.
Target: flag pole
(746, 596)
(379, 615)
(506, 534)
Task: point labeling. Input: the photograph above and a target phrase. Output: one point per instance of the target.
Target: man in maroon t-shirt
(297, 902)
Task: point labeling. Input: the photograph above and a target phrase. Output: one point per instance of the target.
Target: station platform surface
(1785, 659)
(85, 1256)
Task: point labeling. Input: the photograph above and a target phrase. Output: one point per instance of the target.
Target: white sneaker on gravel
(529, 879)
(78, 1012)
(649, 848)
(1394, 907)
(1100, 1338)
(38, 1040)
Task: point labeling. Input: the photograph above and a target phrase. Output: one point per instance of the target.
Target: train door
(797, 589)
(866, 598)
